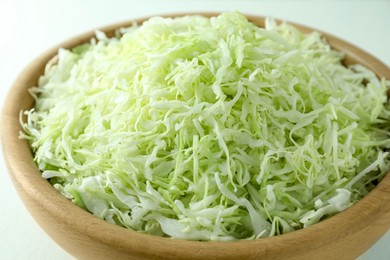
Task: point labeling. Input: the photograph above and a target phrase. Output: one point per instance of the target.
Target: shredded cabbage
(209, 129)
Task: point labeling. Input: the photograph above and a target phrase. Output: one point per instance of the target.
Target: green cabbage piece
(209, 129)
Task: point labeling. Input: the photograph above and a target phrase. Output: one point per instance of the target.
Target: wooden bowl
(343, 236)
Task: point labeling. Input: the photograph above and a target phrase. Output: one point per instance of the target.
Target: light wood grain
(344, 236)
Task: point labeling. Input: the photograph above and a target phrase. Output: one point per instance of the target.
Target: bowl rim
(31, 187)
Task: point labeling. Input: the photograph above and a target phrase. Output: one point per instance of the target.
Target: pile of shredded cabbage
(209, 129)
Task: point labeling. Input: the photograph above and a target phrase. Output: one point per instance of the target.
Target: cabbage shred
(209, 129)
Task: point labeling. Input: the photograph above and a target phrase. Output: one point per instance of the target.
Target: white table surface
(27, 28)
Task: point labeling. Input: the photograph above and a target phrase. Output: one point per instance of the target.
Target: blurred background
(29, 27)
